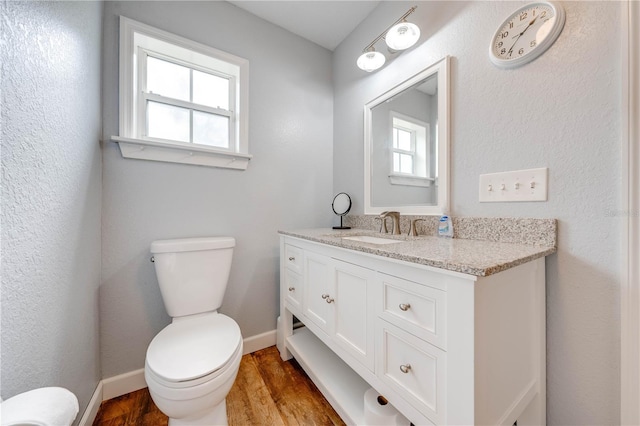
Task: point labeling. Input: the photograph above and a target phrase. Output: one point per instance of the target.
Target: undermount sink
(371, 240)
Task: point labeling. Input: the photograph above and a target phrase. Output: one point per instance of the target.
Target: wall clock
(526, 34)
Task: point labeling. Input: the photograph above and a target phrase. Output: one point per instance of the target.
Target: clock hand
(520, 35)
(527, 27)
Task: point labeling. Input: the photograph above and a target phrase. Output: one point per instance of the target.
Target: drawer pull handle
(405, 368)
(292, 288)
(404, 306)
(327, 298)
(291, 258)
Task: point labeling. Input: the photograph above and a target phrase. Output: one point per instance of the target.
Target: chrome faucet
(395, 216)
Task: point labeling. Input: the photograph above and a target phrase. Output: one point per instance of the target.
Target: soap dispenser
(445, 226)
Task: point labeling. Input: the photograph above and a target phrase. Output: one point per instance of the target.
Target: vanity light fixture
(400, 35)
(371, 60)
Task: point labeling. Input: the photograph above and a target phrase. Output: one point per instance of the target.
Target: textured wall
(287, 184)
(561, 111)
(51, 196)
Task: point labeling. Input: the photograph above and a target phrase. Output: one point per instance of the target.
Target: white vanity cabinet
(443, 347)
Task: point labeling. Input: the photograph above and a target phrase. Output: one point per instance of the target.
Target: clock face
(526, 34)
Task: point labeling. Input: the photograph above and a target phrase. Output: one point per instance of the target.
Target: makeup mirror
(341, 206)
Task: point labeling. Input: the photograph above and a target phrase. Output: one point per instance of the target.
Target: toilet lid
(190, 348)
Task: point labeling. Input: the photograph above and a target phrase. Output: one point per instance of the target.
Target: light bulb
(370, 61)
(402, 36)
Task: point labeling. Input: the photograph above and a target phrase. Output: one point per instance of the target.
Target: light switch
(519, 185)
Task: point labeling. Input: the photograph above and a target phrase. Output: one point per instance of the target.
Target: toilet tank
(192, 273)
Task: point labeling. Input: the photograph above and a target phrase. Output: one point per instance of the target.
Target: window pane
(167, 79)
(210, 90)
(167, 122)
(396, 162)
(406, 164)
(210, 129)
(404, 140)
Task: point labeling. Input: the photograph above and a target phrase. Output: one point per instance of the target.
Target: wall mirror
(406, 145)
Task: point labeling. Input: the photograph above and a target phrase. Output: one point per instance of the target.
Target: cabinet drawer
(293, 289)
(419, 309)
(414, 368)
(293, 258)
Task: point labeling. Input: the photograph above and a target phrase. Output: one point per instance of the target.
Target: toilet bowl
(52, 406)
(192, 363)
(191, 366)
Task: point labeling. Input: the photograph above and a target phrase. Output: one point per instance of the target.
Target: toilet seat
(193, 350)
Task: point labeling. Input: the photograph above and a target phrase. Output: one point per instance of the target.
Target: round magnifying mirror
(341, 206)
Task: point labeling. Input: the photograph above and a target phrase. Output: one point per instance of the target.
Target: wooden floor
(267, 392)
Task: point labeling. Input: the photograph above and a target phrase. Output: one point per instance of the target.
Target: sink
(371, 240)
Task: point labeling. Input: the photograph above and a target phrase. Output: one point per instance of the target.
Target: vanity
(449, 331)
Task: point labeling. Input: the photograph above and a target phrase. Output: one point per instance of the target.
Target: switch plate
(519, 185)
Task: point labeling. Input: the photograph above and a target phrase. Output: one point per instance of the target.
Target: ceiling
(326, 23)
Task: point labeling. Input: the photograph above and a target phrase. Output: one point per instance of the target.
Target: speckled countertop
(473, 257)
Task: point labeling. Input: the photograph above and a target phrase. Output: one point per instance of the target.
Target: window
(404, 149)
(410, 156)
(181, 101)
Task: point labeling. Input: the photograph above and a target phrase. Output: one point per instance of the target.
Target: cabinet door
(353, 303)
(414, 369)
(318, 285)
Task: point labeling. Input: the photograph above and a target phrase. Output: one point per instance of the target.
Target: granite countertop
(473, 257)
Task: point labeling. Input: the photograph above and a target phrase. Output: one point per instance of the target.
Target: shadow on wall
(141, 299)
(568, 275)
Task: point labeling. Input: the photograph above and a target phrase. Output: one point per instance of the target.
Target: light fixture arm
(381, 36)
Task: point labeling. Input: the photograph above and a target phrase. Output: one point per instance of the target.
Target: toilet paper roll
(379, 412)
(44, 406)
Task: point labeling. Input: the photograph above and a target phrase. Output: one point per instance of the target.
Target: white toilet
(192, 363)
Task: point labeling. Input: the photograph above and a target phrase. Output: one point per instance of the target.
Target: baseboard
(91, 411)
(123, 384)
(259, 341)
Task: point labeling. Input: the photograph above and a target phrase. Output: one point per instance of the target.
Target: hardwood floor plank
(298, 399)
(249, 401)
(267, 391)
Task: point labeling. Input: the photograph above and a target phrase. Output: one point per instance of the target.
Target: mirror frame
(441, 67)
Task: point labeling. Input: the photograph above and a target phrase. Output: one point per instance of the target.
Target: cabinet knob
(405, 368)
(292, 288)
(404, 306)
(291, 258)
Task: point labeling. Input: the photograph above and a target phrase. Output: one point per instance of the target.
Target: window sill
(176, 152)
(410, 180)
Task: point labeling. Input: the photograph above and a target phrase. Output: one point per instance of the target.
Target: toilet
(192, 363)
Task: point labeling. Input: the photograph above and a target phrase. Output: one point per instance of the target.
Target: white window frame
(143, 55)
(411, 152)
(138, 40)
(420, 147)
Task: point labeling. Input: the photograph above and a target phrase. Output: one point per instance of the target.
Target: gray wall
(51, 196)
(561, 111)
(287, 184)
